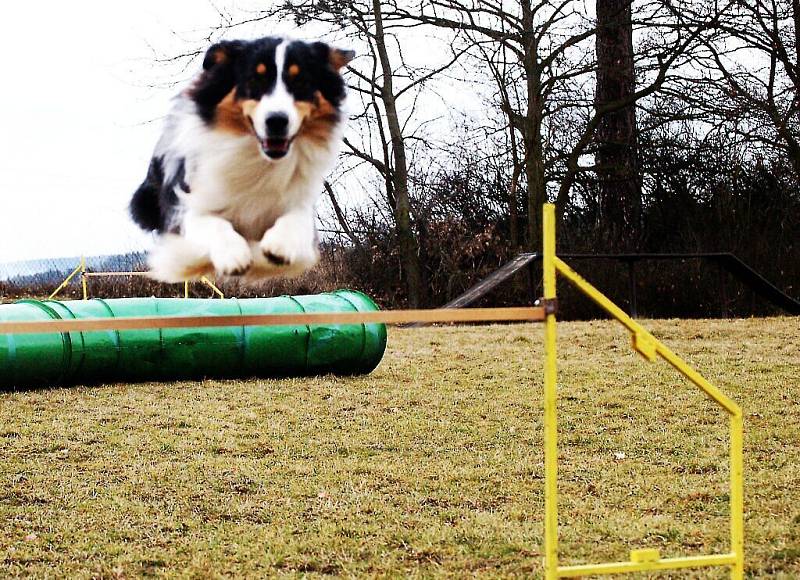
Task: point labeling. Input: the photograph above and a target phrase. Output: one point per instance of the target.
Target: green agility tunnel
(31, 360)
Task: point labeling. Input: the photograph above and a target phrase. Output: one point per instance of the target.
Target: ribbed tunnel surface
(75, 358)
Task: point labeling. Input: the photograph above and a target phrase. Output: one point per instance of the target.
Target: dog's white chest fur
(231, 179)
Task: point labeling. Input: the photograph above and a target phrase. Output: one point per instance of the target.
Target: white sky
(78, 120)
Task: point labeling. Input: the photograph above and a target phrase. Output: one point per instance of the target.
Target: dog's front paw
(283, 246)
(231, 256)
(176, 259)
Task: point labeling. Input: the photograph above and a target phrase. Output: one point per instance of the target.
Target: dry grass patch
(431, 466)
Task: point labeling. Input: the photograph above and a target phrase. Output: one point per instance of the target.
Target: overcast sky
(79, 117)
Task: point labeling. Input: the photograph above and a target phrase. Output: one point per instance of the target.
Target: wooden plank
(385, 316)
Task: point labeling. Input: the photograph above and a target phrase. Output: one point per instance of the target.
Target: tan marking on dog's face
(318, 118)
(230, 115)
(261, 68)
(304, 109)
(294, 70)
(248, 107)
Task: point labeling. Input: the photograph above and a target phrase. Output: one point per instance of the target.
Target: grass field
(431, 466)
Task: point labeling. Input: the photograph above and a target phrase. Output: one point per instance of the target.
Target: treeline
(702, 195)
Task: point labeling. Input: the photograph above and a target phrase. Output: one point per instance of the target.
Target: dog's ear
(336, 57)
(340, 58)
(218, 77)
(222, 54)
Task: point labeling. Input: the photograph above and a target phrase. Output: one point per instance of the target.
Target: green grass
(431, 466)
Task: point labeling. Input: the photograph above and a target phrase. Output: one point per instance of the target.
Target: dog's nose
(277, 123)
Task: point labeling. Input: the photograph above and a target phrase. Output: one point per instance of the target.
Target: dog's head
(272, 88)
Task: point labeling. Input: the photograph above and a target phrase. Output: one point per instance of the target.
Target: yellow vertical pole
(737, 495)
(83, 278)
(550, 397)
(186, 289)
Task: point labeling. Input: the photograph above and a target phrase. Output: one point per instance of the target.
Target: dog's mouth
(275, 147)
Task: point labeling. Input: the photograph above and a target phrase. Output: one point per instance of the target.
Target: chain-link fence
(38, 278)
(54, 270)
(42, 278)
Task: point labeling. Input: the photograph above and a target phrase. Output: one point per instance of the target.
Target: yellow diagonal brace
(66, 281)
(638, 330)
(213, 287)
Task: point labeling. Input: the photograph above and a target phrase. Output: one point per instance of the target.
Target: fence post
(632, 288)
(83, 278)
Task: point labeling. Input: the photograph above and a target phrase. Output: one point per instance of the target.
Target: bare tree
(549, 46)
(750, 84)
(537, 40)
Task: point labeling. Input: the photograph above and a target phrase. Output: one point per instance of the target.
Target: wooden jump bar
(527, 313)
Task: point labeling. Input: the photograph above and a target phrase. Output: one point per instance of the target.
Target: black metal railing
(725, 260)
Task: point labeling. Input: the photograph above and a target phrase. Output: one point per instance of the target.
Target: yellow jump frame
(86, 274)
(651, 349)
(643, 342)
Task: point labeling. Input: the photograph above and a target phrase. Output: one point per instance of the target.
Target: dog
(233, 181)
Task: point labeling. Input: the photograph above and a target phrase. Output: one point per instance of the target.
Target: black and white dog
(234, 179)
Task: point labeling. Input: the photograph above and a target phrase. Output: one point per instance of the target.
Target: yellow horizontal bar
(524, 313)
(663, 564)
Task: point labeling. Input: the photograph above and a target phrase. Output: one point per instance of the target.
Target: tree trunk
(409, 250)
(796, 18)
(796, 75)
(617, 137)
(532, 134)
(534, 171)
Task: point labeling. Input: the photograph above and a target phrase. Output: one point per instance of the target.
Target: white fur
(241, 205)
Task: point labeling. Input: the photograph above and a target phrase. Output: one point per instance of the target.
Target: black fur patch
(154, 203)
(218, 78)
(314, 59)
(145, 208)
(180, 178)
